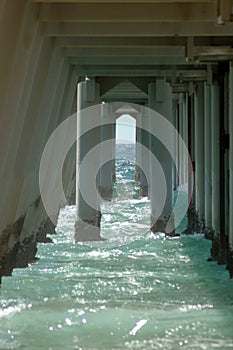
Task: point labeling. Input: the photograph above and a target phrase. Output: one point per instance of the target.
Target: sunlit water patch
(134, 291)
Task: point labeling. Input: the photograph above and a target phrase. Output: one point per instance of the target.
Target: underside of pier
(165, 55)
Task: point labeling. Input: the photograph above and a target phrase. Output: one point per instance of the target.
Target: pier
(169, 64)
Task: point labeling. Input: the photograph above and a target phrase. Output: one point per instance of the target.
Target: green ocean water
(135, 290)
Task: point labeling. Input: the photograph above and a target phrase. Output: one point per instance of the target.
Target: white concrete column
(41, 126)
(138, 171)
(112, 116)
(106, 151)
(174, 122)
(17, 73)
(199, 149)
(19, 81)
(66, 108)
(185, 137)
(207, 158)
(114, 152)
(36, 216)
(70, 170)
(87, 226)
(145, 159)
(191, 216)
(181, 170)
(69, 173)
(215, 173)
(160, 100)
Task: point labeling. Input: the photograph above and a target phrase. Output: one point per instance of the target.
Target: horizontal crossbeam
(143, 29)
(124, 12)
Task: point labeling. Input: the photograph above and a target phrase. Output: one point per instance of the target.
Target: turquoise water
(134, 291)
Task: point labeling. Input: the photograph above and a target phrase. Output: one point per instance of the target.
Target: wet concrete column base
(230, 262)
(162, 226)
(16, 250)
(195, 225)
(219, 249)
(106, 192)
(88, 230)
(144, 190)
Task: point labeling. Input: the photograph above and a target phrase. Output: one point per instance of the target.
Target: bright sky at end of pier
(126, 129)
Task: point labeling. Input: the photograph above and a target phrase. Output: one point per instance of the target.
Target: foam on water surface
(136, 290)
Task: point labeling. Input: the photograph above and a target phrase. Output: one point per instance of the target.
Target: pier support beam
(180, 130)
(215, 169)
(207, 161)
(138, 171)
(145, 160)
(114, 153)
(40, 129)
(107, 151)
(230, 252)
(160, 100)
(191, 214)
(185, 137)
(199, 152)
(87, 226)
(183, 131)
(215, 138)
(174, 118)
(68, 107)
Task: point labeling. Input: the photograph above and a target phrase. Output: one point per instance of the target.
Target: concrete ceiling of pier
(135, 40)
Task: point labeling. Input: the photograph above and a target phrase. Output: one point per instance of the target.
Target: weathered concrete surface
(230, 247)
(160, 100)
(219, 250)
(87, 225)
(204, 216)
(199, 149)
(207, 159)
(107, 151)
(35, 97)
(145, 160)
(85, 230)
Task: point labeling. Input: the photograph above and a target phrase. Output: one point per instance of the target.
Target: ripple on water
(134, 291)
